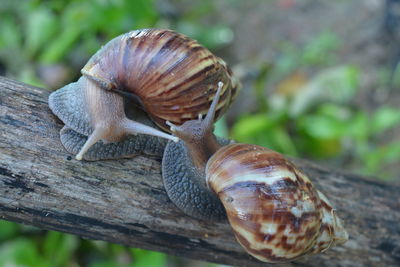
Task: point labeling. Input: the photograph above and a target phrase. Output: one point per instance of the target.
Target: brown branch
(123, 201)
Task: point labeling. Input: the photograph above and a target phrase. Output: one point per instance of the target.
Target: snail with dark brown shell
(169, 75)
(274, 210)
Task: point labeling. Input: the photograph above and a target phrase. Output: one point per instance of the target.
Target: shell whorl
(276, 213)
(173, 76)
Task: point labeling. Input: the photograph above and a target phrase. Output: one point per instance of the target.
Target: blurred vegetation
(28, 246)
(310, 110)
(49, 33)
(315, 115)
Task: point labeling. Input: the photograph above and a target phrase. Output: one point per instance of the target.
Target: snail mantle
(124, 201)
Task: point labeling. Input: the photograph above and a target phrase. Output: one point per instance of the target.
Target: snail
(274, 210)
(166, 73)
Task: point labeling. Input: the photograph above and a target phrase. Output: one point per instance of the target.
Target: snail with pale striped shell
(274, 210)
(166, 73)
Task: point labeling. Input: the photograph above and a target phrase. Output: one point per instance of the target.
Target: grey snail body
(167, 74)
(274, 210)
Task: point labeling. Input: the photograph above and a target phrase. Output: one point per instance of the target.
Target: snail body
(274, 210)
(166, 73)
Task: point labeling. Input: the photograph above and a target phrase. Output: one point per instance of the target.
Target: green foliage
(8, 230)
(50, 250)
(318, 50)
(265, 129)
(316, 117)
(58, 248)
(50, 32)
(338, 85)
(148, 258)
(29, 247)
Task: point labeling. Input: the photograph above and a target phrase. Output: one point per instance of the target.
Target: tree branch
(123, 201)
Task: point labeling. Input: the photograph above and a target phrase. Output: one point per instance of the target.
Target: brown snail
(274, 210)
(168, 74)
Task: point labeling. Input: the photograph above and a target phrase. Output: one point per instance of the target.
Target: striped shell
(275, 211)
(173, 76)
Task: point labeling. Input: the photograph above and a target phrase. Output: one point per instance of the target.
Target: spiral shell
(172, 75)
(275, 211)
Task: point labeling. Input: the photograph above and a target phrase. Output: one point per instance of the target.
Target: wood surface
(124, 201)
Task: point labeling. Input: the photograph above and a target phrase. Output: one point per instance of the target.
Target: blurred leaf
(216, 36)
(358, 134)
(263, 74)
(74, 21)
(143, 13)
(338, 84)
(58, 247)
(40, 26)
(393, 152)
(385, 118)
(264, 130)
(290, 85)
(116, 248)
(319, 148)
(110, 22)
(59, 47)
(359, 127)
(105, 263)
(395, 80)
(8, 229)
(221, 129)
(339, 112)
(10, 33)
(287, 62)
(212, 37)
(282, 142)
(21, 252)
(148, 258)
(28, 76)
(318, 50)
(376, 160)
(285, 90)
(322, 127)
(250, 125)
(51, 243)
(198, 9)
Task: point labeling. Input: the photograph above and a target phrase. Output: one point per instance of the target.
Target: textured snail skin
(129, 147)
(274, 210)
(186, 186)
(68, 104)
(173, 76)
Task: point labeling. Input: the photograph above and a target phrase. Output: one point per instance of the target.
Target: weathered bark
(123, 201)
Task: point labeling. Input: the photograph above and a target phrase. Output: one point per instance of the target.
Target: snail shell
(274, 210)
(171, 75)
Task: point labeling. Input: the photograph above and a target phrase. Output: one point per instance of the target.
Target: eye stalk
(198, 134)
